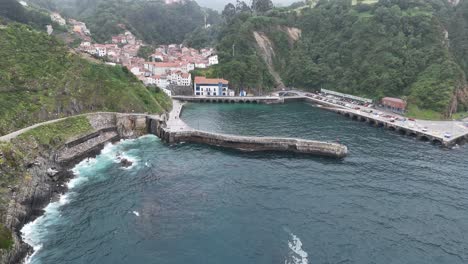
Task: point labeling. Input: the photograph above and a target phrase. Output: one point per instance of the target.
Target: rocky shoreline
(50, 171)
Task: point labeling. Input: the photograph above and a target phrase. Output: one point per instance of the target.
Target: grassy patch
(58, 133)
(163, 100)
(460, 115)
(415, 112)
(6, 239)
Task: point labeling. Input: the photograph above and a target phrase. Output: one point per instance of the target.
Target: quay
(433, 131)
(231, 99)
(424, 130)
(175, 130)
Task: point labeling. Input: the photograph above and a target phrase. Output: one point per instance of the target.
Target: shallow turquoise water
(393, 200)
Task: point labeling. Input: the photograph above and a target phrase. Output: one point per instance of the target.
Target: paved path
(24, 130)
(15, 134)
(174, 123)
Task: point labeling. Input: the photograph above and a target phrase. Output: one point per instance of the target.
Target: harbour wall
(171, 129)
(255, 144)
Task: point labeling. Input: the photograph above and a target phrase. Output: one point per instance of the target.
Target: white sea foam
(30, 257)
(136, 213)
(297, 255)
(35, 232)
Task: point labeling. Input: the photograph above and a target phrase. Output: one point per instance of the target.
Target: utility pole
(233, 49)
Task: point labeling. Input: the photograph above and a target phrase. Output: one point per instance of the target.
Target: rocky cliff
(37, 169)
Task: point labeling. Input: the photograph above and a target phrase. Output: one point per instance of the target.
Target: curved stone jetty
(252, 144)
(174, 130)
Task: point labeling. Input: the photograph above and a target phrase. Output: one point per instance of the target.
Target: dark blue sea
(393, 200)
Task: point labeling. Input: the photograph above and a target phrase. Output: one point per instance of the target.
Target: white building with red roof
(203, 86)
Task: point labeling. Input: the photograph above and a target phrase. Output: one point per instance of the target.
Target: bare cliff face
(459, 98)
(267, 49)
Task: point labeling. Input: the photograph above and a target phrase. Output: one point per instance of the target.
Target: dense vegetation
(12, 10)
(40, 79)
(390, 48)
(458, 33)
(153, 21)
(240, 61)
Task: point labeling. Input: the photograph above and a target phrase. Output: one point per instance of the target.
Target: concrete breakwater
(253, 144)
(173, 130)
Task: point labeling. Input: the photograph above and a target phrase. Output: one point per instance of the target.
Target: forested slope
(40, 80)
(411, 49)
(153, 21)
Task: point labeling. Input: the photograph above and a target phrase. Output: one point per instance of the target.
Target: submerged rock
(125, 162)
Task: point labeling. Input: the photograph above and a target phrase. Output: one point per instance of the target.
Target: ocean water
(393, 200)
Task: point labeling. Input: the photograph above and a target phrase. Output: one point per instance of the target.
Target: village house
(394, 104)
(213, 60)
(200, 64)
(101, 50)
(203, 86)
(186, 79)
(162, 67)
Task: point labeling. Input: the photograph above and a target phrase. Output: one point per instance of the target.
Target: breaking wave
(297, 255)
(85, 172)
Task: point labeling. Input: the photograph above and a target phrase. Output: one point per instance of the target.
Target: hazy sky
(219, 4)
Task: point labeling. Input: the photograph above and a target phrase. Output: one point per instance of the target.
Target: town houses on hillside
(167, 65)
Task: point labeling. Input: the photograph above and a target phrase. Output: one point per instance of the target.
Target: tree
(145, 51)
(229, 12)
(262, 6)
(241, 7)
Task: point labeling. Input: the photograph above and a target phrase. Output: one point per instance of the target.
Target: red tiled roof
(166, 64)
(393, 100)
(204, 80)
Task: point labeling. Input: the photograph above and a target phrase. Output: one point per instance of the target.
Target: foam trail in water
(297, 255)
(136, 213)
(35, 232)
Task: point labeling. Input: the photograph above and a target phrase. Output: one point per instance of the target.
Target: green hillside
(12, 10)
(390, 48)
(40, 79)
(153, 21)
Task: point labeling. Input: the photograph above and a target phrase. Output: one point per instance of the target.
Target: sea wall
(49, 169)
(255, 144)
